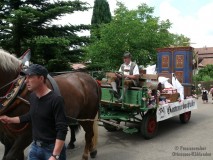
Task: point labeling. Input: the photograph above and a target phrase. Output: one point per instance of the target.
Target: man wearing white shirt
(130, 72)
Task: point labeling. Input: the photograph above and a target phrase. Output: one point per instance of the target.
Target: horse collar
(12, 93)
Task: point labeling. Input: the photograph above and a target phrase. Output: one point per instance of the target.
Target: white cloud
(205, 15)
(197, 27)
(85, 17)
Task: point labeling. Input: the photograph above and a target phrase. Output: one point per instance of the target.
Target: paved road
(174, 141)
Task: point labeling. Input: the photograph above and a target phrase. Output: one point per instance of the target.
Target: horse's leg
(7, 144)
(19, 156)
(6, 150)
(93, 151)
(7, 153)
(17, 150)
(88, 128)
(72, 137)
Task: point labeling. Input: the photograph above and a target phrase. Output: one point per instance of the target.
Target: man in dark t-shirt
(47, 115)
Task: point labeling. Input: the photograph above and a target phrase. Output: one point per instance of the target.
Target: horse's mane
(8, 62)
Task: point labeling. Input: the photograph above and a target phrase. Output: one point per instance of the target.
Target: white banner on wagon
(169, 110)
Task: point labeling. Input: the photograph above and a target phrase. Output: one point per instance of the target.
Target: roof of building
(205, 56)
(77, 66)
(205, 62)
(206, 52)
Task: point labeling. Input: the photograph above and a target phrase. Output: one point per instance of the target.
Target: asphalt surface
(174, 141)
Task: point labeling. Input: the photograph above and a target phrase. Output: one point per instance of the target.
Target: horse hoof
(84, 157)
(93, 154)
(71, 146)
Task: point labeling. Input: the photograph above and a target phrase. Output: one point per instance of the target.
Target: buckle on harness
(9, 95)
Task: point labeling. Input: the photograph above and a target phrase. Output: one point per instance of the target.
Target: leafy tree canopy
(28, 24)
(137, 31)
(180, 40)
(205, 74)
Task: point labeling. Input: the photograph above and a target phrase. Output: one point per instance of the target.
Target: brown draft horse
(81, 95)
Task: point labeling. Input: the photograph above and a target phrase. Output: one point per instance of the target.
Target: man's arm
(119, 74)
(22, 119)
(25, 118)
(59, 144)
(61, 126)
(8, 120)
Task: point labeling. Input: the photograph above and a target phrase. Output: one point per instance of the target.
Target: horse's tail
(75, 127)
(95, 131)
(99, 93)
(95, 124)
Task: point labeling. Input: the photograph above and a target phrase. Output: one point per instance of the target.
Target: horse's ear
(25, 58)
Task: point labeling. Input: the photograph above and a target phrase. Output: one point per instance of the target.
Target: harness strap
(13, 93)
(54, 85)
(24, 100)
(9, 90)
(16, 97)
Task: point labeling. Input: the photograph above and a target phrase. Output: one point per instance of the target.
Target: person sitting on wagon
(130, 72)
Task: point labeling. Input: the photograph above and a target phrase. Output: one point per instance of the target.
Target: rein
(10, 82)
(118, 126)
(8, 95)
(7, 126)
(15, 102)
(16, 130)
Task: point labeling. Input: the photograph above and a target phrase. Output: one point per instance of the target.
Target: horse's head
(9, 69)
(10, 85)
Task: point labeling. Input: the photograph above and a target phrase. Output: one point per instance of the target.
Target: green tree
(29, 24)
(101, 15)
(137, 31)
(205, 74)
(180, 40)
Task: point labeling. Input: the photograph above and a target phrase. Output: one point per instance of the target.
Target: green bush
(204, 74)
(57, 65)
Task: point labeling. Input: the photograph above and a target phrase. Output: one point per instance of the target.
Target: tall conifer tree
(28, 24)
(101, 15)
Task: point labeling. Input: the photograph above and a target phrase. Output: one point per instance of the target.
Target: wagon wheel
(185, 117)
(149, 125)
(109, 127)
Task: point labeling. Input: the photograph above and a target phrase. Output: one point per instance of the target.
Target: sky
(192, 18)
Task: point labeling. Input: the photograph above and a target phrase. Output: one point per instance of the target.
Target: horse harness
(12, 98)
(16, 90)
(15, 95)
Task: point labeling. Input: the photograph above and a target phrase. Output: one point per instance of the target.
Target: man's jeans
(37, 152)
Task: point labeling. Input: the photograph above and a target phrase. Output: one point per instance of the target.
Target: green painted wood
(131, 97)
(105, 94)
